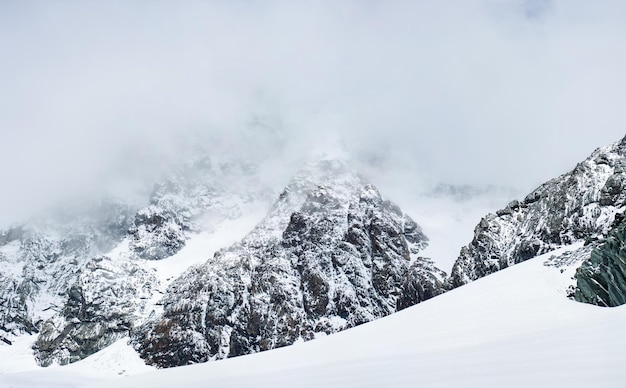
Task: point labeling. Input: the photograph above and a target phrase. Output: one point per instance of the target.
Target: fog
(102, 95)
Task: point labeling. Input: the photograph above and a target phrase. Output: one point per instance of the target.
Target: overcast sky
(503, 92)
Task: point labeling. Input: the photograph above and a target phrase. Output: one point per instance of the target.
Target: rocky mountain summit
(331, 254)
(191, 200)
(581, 205)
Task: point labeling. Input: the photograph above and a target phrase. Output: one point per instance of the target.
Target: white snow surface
(514, 328)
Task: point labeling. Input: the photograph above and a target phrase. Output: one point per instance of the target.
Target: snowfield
(514, 328)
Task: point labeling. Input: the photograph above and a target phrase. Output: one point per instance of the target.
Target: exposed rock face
(102, 306)
(39, 261)
(66, 279)
(576, 206)
(330, 255)
(601, 279)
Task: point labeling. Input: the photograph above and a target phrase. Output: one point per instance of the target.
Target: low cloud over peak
(484, 92)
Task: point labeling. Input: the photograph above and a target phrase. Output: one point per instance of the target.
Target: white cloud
(510, 92)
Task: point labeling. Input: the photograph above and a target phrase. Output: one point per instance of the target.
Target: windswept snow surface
(113, 362)
(514, 328)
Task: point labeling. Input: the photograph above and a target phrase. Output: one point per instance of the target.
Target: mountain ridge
(575, 206)
(331, 254)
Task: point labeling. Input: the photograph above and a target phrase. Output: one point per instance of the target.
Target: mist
(102, 95)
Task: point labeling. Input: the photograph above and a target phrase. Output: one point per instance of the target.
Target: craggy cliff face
(80, 279)
(576, 206)
(330, 255)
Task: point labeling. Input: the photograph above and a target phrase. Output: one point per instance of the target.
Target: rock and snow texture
(331, 254)
(577, 206)
(40, 261)
(102, 306)
(514, 328)
(84, 279)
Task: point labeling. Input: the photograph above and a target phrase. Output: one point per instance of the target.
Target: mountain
(207, 268)
(330, 255)
(448, 214)
(83, 278)
(40, 260)
(580, 205)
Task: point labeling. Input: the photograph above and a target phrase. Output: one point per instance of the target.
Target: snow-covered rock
(82, 278)
(102, 306)
(577, 206)
(40, 260)
(331, 254)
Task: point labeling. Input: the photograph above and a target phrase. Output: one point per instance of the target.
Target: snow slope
(514, 328)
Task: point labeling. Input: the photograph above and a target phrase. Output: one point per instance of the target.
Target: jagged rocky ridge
(66, 280)
(331, 254)
(577, 206)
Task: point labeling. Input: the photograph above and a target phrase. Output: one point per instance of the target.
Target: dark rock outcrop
(601, 279)
(157, 233)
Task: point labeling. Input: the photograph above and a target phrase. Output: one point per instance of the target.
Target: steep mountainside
(331, 254)
(82, 280)
(577, 206)
(39, 261)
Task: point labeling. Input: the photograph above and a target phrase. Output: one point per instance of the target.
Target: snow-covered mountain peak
(330, 254)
